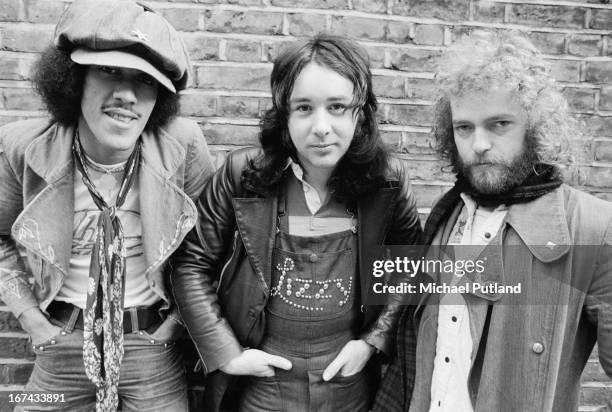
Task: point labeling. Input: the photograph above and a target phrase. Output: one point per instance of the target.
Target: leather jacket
(37, 205)
(221, 272)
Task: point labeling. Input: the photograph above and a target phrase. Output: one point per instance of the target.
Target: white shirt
(86, 213)
(454, 346)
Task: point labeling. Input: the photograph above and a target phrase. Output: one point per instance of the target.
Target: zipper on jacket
(235, 245)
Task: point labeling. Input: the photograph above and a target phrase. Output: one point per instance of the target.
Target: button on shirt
(454, 345)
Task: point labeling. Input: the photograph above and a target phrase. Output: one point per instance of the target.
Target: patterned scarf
(103, 315)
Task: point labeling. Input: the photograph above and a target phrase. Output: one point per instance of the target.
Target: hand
(38, 326)
(351, 359)
(255, 362)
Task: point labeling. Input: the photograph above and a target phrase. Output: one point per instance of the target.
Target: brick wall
(233, 42)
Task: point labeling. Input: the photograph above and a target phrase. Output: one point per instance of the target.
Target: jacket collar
(50, 157)
(256, 220)
(542, 225)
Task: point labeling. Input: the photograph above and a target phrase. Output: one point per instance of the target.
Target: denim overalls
(311, 315)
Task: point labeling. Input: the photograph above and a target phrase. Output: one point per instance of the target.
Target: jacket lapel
(167, 214)
(45, 225)
(256, 221)
(374, 214)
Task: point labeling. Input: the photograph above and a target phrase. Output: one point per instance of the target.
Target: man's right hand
(255, 362)
(38, 326)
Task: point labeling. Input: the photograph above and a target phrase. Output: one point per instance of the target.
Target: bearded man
(505, 129)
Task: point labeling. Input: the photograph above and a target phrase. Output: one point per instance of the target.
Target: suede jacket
(37, 205)
(530, 348)
(221, 273)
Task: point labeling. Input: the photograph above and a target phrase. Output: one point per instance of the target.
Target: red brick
(181, 19)
(598, 176)
(15, 373)
(428, 169)
(599, 72)
(489, 12)
(234, 78)
(417, 143)
(16, 99)
(421, 89)
(12, 68)
(453, 10)
(377, 56)
(273, 48)
(312, 4)
(234, 107)
(565, 70)
(230, 134)
(25, 39)
(358, 27)
(415, 60)
(370, 6)
(45, 11)
(306, 24)
(238, 2)
(429, 34)
(597, 125)
(11, 10)
(580, 99)
(598, 395)
(605, 98)
(551, 16)
(601, 19)
(548, 43)
(426, 195)
(252, 22)
(400, 32)
(602, 150)
(391, 138)
(585, 45)
(8, 322)
(409, 115)
(14, 347)
(593, 372)
(243, 51)
(201, 47)
(388, 86)
(193, 104)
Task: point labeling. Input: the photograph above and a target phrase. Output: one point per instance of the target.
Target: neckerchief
(103, 315)
(542, 180)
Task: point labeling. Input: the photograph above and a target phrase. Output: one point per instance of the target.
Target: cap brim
(117, 58)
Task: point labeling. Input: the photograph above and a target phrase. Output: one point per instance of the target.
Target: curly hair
(59, 81)
(484, 60)
(362, 168)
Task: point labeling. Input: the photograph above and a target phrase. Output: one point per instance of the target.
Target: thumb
(332, 369)
(279, 362)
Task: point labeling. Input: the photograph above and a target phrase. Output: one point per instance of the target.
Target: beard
(494, 176)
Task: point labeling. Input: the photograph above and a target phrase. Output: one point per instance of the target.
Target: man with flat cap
(93, 201)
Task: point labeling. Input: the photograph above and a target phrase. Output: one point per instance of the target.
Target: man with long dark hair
(283, 229)
(96, 198)
(516, 334)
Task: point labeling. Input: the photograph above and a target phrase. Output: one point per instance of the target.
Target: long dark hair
(362, 169)
(59, 81)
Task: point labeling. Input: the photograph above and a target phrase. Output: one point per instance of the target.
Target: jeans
(152, 375)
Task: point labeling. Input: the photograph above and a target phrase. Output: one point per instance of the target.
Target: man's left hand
(351, 359)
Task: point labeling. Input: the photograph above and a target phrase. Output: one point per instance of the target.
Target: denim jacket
(530, 349)
(37, 205)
